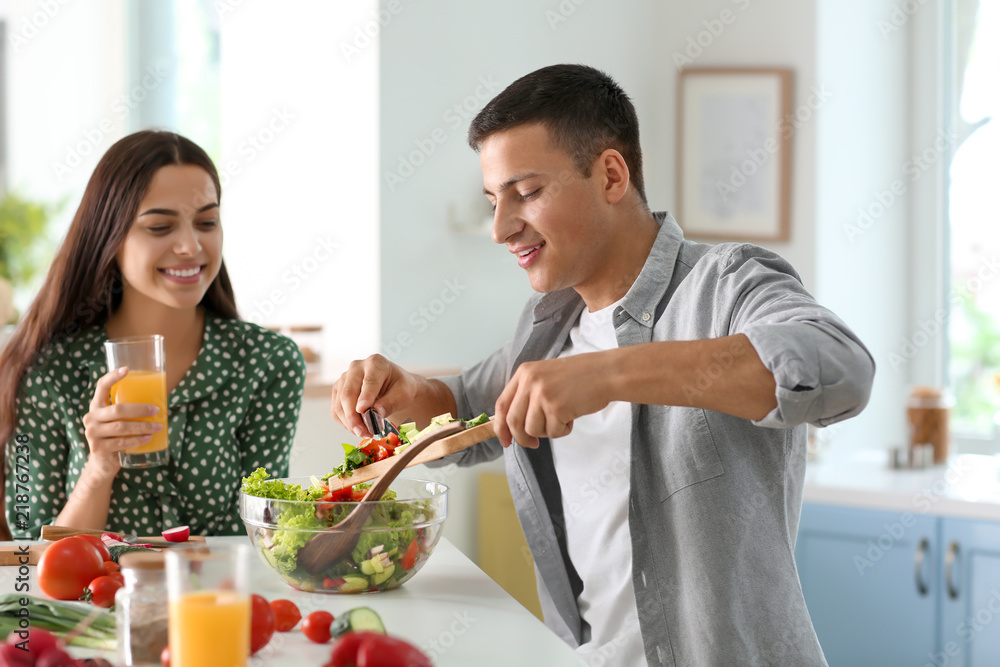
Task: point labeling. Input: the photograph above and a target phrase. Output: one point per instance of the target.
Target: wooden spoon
(338, 541)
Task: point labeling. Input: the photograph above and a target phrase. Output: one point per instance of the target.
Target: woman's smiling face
(173, 250)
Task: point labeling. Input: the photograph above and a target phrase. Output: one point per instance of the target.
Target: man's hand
(544, 397)
(394, 392)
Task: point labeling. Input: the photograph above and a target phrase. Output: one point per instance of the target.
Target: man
(657, 390)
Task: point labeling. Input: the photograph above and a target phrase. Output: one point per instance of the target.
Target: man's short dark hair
(584, 109)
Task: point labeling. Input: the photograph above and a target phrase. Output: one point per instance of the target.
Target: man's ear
(614, 175)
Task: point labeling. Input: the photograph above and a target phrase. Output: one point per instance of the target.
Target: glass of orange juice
(146, 382)
(209, 605)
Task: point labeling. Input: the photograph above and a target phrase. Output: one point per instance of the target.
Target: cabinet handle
(918, 565)
(949, 570)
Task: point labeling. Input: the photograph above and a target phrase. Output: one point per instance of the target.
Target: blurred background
(353, 209)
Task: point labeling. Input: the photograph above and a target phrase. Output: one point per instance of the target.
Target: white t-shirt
(592, 464)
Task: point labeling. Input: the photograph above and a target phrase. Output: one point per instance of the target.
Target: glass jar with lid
(141, 609)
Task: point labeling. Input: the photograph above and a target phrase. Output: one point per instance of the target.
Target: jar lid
(151, 560)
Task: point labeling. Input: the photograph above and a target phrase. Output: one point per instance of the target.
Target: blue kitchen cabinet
(870, 583)
(970, 593)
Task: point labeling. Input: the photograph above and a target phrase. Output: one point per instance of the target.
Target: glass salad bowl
(393, 544)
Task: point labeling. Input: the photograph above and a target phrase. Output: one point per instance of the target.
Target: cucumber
(359, 619)
(384, 575)
(353, 584)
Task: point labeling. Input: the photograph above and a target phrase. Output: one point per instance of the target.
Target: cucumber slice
(368, 567)
(353, 584)
(384, 575)
(359, 619)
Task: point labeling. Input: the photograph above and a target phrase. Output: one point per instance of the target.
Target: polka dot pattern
(234, 411)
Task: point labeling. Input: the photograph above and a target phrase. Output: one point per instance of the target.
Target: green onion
(60, 618)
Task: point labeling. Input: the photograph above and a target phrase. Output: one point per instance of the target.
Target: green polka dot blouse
(234, 411)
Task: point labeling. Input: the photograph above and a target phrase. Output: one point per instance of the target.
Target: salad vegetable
(371, 450)
(381, 559)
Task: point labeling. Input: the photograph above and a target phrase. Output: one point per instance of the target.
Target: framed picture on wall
(734, 153)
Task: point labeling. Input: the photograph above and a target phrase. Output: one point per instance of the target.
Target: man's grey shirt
(714, 500)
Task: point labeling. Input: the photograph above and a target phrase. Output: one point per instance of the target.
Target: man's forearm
(721, 374)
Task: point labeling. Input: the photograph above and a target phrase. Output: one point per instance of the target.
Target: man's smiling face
(546, 212)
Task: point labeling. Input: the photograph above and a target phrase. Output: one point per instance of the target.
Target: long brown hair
(84, 284)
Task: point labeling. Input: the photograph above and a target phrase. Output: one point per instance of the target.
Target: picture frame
(734, 152)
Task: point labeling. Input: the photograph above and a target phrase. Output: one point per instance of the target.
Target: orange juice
(210, 629)
(145, 387)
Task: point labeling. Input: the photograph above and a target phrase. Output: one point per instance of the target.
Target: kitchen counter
(967, 487)
(450, 609)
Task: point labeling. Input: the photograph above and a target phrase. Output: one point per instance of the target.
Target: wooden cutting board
(12, 554)
(434, 451)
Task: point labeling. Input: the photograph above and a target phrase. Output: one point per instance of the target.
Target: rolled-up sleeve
(822, 370)
(476, 390)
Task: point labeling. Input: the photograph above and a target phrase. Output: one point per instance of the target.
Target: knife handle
(53, 533)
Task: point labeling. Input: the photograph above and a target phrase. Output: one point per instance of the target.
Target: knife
(53, 533)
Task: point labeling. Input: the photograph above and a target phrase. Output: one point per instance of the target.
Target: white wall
(300, 148)
(433, 59)
(66, 82)
(861, 267)
(439, 54)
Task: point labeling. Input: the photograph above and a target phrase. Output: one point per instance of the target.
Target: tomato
(339, 496)
(377, 650)
(392, 441)
(165, 656)
(103, 589)
(409, 556)
(67, 566)
(286, 615)
(371, 649)
(345, 650)
(381, 453)
(99, 543)
(111, 566)
(316, 626)
(262, 624)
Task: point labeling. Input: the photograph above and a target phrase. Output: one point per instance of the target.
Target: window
(974, 253)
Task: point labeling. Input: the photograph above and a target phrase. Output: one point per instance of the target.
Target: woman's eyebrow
(167, 211)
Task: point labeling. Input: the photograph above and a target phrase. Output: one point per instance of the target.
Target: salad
(282, 516)
(371, 450)
(393, 544)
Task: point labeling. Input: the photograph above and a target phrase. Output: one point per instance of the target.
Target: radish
(179, 534)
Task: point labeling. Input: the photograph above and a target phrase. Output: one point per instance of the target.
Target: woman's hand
(107, 431)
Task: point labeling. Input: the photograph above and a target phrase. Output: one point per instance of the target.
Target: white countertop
(967, 487)
(450, 609)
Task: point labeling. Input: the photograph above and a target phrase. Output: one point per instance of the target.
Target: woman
(143, 256)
